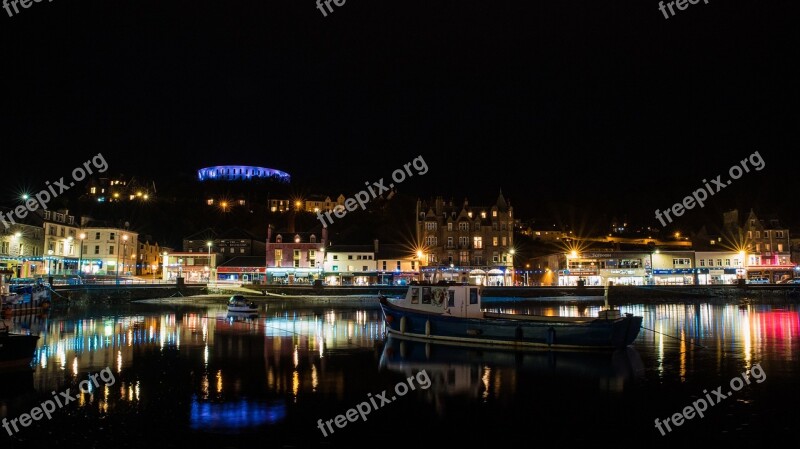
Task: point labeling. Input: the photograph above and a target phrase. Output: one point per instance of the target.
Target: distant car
(794, 281)
(758, 281)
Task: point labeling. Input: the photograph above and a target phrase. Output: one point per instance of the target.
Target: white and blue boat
(452, 313)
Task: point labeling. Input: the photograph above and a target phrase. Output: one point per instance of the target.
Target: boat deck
(542, 318)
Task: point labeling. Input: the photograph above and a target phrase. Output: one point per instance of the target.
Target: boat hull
(16, 351)
(242, 309)
(598, 333)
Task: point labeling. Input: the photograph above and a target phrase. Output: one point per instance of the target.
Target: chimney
(376, 246)
(290, 219)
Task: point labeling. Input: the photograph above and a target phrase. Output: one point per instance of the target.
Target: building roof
(245, 261)
(350, 249)
(236, 234)
(393, 251)
(205, 234)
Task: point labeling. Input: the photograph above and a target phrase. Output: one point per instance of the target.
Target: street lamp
(125, 240)
(49, 264)
(82, 236)
(209, 243)
(511, 253)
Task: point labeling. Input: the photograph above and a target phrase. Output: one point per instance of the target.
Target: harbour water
(188, 374)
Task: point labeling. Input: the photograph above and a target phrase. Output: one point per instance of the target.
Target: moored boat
(238, 303)
(450, 312)
(16, 350)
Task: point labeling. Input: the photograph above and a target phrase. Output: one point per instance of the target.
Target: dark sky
(602, 107)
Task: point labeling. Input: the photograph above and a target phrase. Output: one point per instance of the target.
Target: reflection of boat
(452, 312)
(241, 316)
(459, 370)
(238, 303)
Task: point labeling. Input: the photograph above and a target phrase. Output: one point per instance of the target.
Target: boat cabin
(447, 298)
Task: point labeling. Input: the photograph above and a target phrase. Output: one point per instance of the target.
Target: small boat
(238, 303)
(451, 312)
(16, 350)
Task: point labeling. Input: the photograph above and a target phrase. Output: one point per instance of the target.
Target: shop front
(718, 276)
(675, 276)
(291, 275)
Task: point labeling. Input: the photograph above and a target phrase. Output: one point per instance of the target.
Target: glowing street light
(208, 244)
(82, 236)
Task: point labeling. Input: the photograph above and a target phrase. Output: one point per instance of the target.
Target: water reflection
(494, 374)
(203, 369)
(743, 333)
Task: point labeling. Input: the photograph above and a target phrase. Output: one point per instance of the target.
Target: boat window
(414, 296)
(451, 299)
(426, 295)
(473, 296)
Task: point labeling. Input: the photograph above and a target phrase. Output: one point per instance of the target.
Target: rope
(671, 336)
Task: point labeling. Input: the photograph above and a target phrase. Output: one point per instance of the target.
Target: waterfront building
(719, 267)
(228, 244)
(350, 264)
(766, 243)
(466, 243)
(245, 269)
(61, 248)
(294, 257)
(192, 267)
(397, 264)
(21, 247)
(108, 250)
(149, 258)
(598, 268)
(673, 267)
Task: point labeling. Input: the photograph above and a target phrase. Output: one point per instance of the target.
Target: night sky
(574, 109)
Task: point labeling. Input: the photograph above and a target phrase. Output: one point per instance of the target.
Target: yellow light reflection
(204, 386)
(75, 366)
(487, 372)
(683, 356)
(314, 380)
(219, 381)
(295, 384)
(119, 361)
(747, 338)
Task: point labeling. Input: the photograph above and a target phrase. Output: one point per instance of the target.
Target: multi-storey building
(294, 257)
(21, 247)
(234, 242)
(397, 264)
(467, 243)
(149, 258)
(350, 264)
(61, 247)
(108, 250)
(766, 244)
(313, 204)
